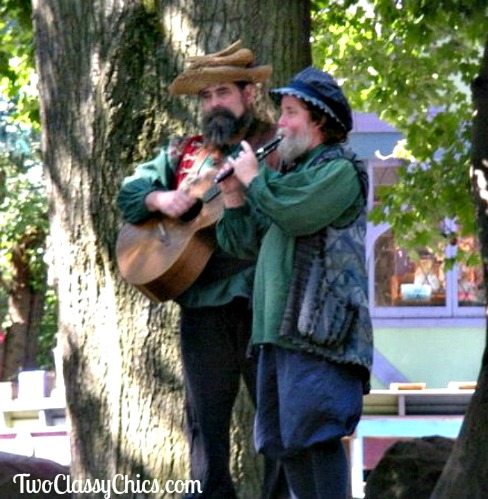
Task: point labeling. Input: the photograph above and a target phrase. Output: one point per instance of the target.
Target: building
(429, 323)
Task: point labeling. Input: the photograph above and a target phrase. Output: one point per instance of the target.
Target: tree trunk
(104, 69)
(25, 310)
(465, 475)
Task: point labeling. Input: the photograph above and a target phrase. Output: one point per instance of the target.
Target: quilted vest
(327, 307)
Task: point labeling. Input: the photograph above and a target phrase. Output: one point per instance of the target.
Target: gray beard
(291, 148)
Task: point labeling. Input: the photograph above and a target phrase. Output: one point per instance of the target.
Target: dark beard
(220, 127)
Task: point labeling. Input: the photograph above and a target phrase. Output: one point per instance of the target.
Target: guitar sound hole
(192, 212)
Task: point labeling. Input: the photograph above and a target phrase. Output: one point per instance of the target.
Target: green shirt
(279, 208)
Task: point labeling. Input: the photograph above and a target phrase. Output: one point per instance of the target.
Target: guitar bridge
(164, 236)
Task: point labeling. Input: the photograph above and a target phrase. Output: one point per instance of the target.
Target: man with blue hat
(312, 332)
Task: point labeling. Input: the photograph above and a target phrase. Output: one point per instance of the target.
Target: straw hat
(227, 66)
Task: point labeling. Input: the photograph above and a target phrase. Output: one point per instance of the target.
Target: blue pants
(305, 405)
(214, 343)
(319, 472)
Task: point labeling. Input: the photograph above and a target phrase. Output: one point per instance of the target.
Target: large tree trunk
(465, 475)
(104, 69)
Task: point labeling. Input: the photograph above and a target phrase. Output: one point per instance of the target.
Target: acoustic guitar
(163, 256)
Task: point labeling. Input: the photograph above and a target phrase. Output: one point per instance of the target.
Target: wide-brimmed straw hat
(230, 65)
(322, 91)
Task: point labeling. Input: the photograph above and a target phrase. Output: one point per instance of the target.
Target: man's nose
(214, 101)
(281, 122)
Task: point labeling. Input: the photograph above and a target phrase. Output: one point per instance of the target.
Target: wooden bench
(37, 412)
(35, 427)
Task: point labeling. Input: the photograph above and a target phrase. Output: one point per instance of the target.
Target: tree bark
(465, 476)
(104, 69)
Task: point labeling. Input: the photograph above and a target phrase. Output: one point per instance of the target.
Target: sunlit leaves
(411, 62)
(23, 202)
(18, 79)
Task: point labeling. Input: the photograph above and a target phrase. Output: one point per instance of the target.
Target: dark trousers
(214, 342)
(306, 404)
(319, 472)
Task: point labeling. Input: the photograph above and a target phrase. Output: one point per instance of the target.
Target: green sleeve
(157, 174)
(307, 199)
(240, 230)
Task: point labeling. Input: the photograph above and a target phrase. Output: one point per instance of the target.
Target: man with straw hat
(215, 310)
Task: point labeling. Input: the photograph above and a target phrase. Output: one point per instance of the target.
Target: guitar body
(163, 256)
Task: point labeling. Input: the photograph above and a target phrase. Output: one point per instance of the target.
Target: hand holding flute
(260, 154)
(240, 171)
(235, 174)
(244, 167)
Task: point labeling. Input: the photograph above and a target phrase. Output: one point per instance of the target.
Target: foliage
(23, 220)
(23, 199)
(23, 202)
(18, 79)
(411, 62)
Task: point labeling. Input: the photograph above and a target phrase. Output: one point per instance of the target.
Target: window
(417, 285)
(401, 280)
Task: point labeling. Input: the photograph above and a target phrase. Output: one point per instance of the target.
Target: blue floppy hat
(322, 91)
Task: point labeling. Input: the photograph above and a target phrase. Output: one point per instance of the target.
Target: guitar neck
(211, 193)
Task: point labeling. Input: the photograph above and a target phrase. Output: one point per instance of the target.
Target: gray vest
(327, 308)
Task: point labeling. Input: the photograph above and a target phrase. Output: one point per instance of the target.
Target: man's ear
(249, 92)
(322, 121)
